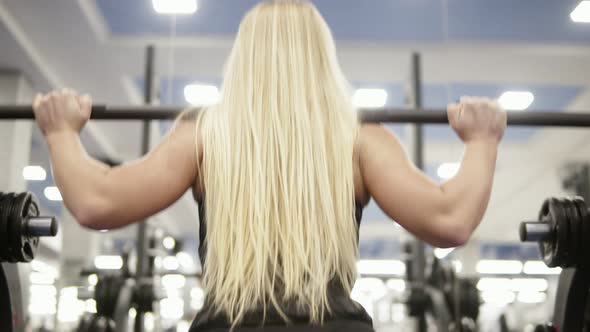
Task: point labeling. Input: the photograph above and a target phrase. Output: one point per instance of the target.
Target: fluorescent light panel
(447, 170)
(369, 98)
(516, 284)
(108, 262)
(581, 14)
(538, 267)
(498, 267)
(34, 173)
(175, 6)
(516, 100)
(201, 95)
(531, 297)
(381, 267)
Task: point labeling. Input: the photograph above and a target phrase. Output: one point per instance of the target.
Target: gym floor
(532, 55)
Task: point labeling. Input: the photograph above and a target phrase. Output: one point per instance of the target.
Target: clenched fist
(62, 110)
(477, 118)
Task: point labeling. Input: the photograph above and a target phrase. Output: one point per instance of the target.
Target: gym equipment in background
(453, 302)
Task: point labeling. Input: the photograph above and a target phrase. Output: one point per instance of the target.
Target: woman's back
(277, 171)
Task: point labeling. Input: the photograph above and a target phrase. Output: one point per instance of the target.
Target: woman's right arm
(443, 215)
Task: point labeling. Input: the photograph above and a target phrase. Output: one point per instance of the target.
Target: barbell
(394, 115)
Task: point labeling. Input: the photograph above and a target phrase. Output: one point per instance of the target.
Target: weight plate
(3, 225)
(16, 220)
(20, 210)
(585, 229)
(573, 222)
(549, 247)
(8, 220)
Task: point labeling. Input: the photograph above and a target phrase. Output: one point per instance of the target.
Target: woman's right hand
(477, 118)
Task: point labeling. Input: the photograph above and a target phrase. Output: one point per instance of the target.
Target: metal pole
(532, 118)
(418, 247)
(145, 146)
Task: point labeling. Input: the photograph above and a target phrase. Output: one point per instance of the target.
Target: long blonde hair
(277, 168)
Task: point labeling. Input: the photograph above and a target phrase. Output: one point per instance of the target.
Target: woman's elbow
(93, 215)
(453, 233)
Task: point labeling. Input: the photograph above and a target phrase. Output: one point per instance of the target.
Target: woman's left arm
(101, 197)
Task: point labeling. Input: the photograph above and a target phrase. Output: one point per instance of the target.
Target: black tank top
(343, 307)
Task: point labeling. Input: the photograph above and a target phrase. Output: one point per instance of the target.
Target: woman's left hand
(62, 110)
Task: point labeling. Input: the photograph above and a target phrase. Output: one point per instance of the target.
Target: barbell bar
(393, 115)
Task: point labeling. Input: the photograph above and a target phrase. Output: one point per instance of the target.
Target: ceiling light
(175, 6)
(447, 170)
(108, 262)
(34, 173)
(201, 95)
(369, 98)
(498, 267)
(92, 280)
(52, 194)
(581, 14)
(538, 267)
(516, 100)
(168, 242)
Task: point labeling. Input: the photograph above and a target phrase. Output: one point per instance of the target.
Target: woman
(284, 169)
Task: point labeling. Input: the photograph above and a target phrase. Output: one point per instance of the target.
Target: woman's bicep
(400, 189)
(141, 188)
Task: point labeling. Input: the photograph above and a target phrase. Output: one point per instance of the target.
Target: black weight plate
(585, 227)
(573, 222)
(9, 207)
(18, 214)
(549, 247)
(30, 243)
(3, 224)
(576, 232)
(559, 215)
(16, 221)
